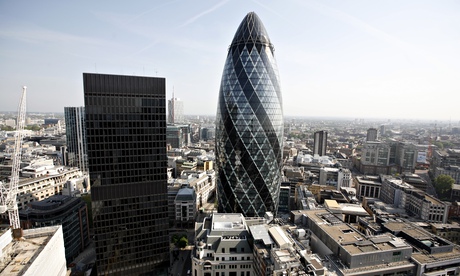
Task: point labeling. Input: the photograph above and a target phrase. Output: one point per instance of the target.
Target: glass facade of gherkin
(249, 124)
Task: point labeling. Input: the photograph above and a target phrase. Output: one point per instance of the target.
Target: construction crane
(10, 190)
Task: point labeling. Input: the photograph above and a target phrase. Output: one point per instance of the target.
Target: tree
(7, 128)
(33, 127)
(438, 144)
(175, 239)
(443, 184)
(183, 242)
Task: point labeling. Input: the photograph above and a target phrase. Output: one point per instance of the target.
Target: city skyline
(350, 59)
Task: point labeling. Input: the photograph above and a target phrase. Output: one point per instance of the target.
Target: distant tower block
(320, 143)
(175, 111)
(372, 135)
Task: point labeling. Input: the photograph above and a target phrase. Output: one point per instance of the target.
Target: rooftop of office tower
(251, 30)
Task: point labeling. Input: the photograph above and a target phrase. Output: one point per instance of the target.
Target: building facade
(175, 111)
(222, 247)
(70, 212)
(126, 132)
(320, 143)
(40, 253)
(249, 124)
(185, 206)
(368, 186)
(406, 157)
(178, 136)
(372, 135)
(75, 132)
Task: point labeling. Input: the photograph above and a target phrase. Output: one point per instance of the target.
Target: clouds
(203, 13)
(37, 35)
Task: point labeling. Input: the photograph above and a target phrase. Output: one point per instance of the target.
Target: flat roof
(260, 232)
(228, 222)
(331, 204)
(350, 239)
(433, 200)
(448, 257)
(26, 250)
(279, 236)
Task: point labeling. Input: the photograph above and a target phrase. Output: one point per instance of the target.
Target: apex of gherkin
(251, 30)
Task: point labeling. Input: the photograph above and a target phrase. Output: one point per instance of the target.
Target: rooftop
(24, 252)
(350, 239)
(228, 222)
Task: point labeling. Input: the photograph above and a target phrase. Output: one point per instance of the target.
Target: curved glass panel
(249, 124)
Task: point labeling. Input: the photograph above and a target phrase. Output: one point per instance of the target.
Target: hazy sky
(358, 59)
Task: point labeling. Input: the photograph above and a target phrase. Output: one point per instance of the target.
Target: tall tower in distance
(126, 135)
(249, 124)
(75, 131)
(372, 135)
(175, 110)
(320, 143)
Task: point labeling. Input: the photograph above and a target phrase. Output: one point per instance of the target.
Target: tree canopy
(443, 184)
(180, 241)
(183, 242)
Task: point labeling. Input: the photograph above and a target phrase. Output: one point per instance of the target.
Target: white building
(40, 253)
(222, 247)
(175, 111)
(204, 183)
(185, 204)
(44, 186)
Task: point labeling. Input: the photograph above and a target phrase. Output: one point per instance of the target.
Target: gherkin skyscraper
(249, 124)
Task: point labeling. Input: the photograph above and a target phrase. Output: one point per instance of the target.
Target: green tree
(438, 144)
(183, 242)
(6, 128)
(174, 239)
(443, 185)
(33, 127)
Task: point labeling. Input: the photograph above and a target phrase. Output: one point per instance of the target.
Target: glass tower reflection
(249, 124)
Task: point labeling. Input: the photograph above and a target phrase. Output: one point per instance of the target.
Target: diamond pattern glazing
(249, 124)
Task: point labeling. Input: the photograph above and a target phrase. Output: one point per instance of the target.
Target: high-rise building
(249, 124)
(126, 135)
(371, 135)
(76, 137)
(320, 143)
(175, 111)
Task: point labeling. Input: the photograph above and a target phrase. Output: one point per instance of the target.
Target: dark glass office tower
(126, 139)
(249, 124)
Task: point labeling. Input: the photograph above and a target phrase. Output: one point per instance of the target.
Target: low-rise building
(447, 231)
(185, 206)
(42, 187)
(41, 252)
(70, 212)
(222, 246)
(352, 253)
(368, 186)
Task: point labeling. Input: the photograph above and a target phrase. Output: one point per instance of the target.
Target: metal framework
(10, 190)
